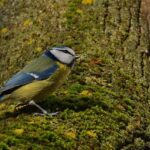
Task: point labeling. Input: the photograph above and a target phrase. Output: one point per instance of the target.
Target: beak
(76, 57)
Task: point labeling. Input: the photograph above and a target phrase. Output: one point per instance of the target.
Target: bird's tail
(4, 97)
(1, 96)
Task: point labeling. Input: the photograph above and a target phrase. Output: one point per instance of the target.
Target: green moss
(3, 146)
(104, 103)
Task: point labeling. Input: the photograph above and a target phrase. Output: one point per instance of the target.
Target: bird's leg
(44, 112)
(38, 106)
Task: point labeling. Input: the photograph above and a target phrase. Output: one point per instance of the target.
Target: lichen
(104, 103)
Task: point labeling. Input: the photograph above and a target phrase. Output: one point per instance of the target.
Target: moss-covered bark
(105, 102)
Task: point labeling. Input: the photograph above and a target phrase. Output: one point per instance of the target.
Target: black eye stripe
(67, 52)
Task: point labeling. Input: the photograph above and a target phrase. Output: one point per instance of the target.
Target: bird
(40, 78)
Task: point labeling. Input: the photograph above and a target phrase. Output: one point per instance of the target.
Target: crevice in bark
(139, 24)
(142, 64)
(119, 12)
(106, 5)
(148, 36)
(125, 37)
(128, 28)
(145, 13)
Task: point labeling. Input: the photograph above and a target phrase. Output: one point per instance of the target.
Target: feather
(39, 69)
(1, 96)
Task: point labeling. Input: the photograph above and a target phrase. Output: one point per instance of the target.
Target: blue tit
(41, 77)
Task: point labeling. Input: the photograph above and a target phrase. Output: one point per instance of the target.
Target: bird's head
(64, 54)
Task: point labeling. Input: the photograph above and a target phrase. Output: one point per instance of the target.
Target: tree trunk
(106, 99)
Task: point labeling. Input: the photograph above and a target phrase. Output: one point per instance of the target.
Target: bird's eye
(65, 51)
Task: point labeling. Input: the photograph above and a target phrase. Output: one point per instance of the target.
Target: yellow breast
(38, 90)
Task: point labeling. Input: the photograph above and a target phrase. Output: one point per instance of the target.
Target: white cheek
(63, 57)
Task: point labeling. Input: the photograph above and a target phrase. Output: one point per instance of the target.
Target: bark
(105, 102)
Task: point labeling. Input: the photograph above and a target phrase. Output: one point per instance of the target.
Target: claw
(54, 113)
(47, 114)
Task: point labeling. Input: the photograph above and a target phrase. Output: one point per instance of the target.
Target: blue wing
(39, 69)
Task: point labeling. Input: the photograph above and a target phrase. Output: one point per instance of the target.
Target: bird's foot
(44, 112)
(22, 106)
